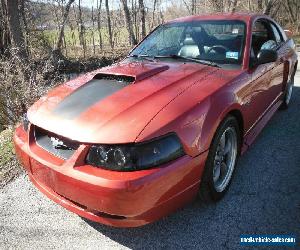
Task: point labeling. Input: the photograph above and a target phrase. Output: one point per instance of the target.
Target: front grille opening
(57, 145)
(118, 78)
(109, 216)
(95, 212)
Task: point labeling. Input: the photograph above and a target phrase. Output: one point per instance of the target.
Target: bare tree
(134, 14)
(269, 5)
(153, 14)
(193, 7)
(93, 29)
(23, 18)
(143, 17)
(109, 25)
(187, 5)
(62, 27)
(81, 29)
(260, 5)
(15, 28)
(233, 4)
(129, 25)
(292, 7)
(5, 41)
(99, 5)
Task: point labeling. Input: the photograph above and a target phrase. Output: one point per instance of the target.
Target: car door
(277, 72)
(266, 79)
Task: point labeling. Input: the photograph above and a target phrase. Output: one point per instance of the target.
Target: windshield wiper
(144, 56)
(205, 62)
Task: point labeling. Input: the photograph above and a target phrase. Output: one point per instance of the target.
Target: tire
(210, 190)
(288, 93)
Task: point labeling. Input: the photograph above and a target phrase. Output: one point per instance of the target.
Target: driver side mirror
(266, 56)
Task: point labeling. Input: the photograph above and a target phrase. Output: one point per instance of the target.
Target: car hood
(115, 103)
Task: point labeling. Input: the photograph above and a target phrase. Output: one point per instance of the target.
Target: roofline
(243, 16)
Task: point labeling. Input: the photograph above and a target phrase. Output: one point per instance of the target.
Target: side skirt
(254, 132)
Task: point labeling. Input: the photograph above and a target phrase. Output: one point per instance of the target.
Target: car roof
(243, 16)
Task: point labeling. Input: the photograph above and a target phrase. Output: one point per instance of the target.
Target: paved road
(264, 198)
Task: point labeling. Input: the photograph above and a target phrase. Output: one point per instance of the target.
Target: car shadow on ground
(263, 198)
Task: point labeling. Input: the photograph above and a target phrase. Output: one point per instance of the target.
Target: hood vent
(118, 78)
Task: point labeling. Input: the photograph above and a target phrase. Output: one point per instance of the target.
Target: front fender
(221, 104)
(195, 122)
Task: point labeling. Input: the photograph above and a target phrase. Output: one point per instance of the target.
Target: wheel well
(239, 117)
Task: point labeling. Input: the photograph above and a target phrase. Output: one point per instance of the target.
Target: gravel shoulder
(264, 198)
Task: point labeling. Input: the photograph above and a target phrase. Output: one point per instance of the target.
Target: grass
(9, 167)
(6, 147)
(91, 37)
(73, 48)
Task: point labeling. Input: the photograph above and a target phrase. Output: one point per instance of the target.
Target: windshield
(220, 42)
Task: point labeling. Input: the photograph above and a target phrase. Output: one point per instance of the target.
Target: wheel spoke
(227, 148)
(217, 172)
(222, 141)
(223, 169)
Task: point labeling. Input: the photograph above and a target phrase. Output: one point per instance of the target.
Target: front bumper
(122, 199)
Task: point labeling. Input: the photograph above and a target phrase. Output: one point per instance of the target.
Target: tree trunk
(193, 7)
(23, 18)
(109, 24)
(81, 29)
(187, 5)
(153, 14)
(129, 25)
(289, 8)
(260, 5)
(162, 18)
(233, 6)
(62, 26)
(270, 4)
(99, 5)
(5, 40)
(143, 17)
(93, 31)
(16, 32)
(135, 23)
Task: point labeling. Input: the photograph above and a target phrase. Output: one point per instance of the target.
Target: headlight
(25, 122)
(138, 156)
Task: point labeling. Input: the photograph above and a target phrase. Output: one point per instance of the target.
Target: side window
(260, 35)
(260, 30)
(277, 36)
(265, 35)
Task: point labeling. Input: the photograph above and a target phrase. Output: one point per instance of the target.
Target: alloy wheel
(225, 159)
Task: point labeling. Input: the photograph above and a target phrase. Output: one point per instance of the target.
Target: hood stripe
(87, 95)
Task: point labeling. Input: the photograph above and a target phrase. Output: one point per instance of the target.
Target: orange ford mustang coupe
(127, 144)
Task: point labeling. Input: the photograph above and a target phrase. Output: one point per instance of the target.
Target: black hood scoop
(100, 87)
(118, 78)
